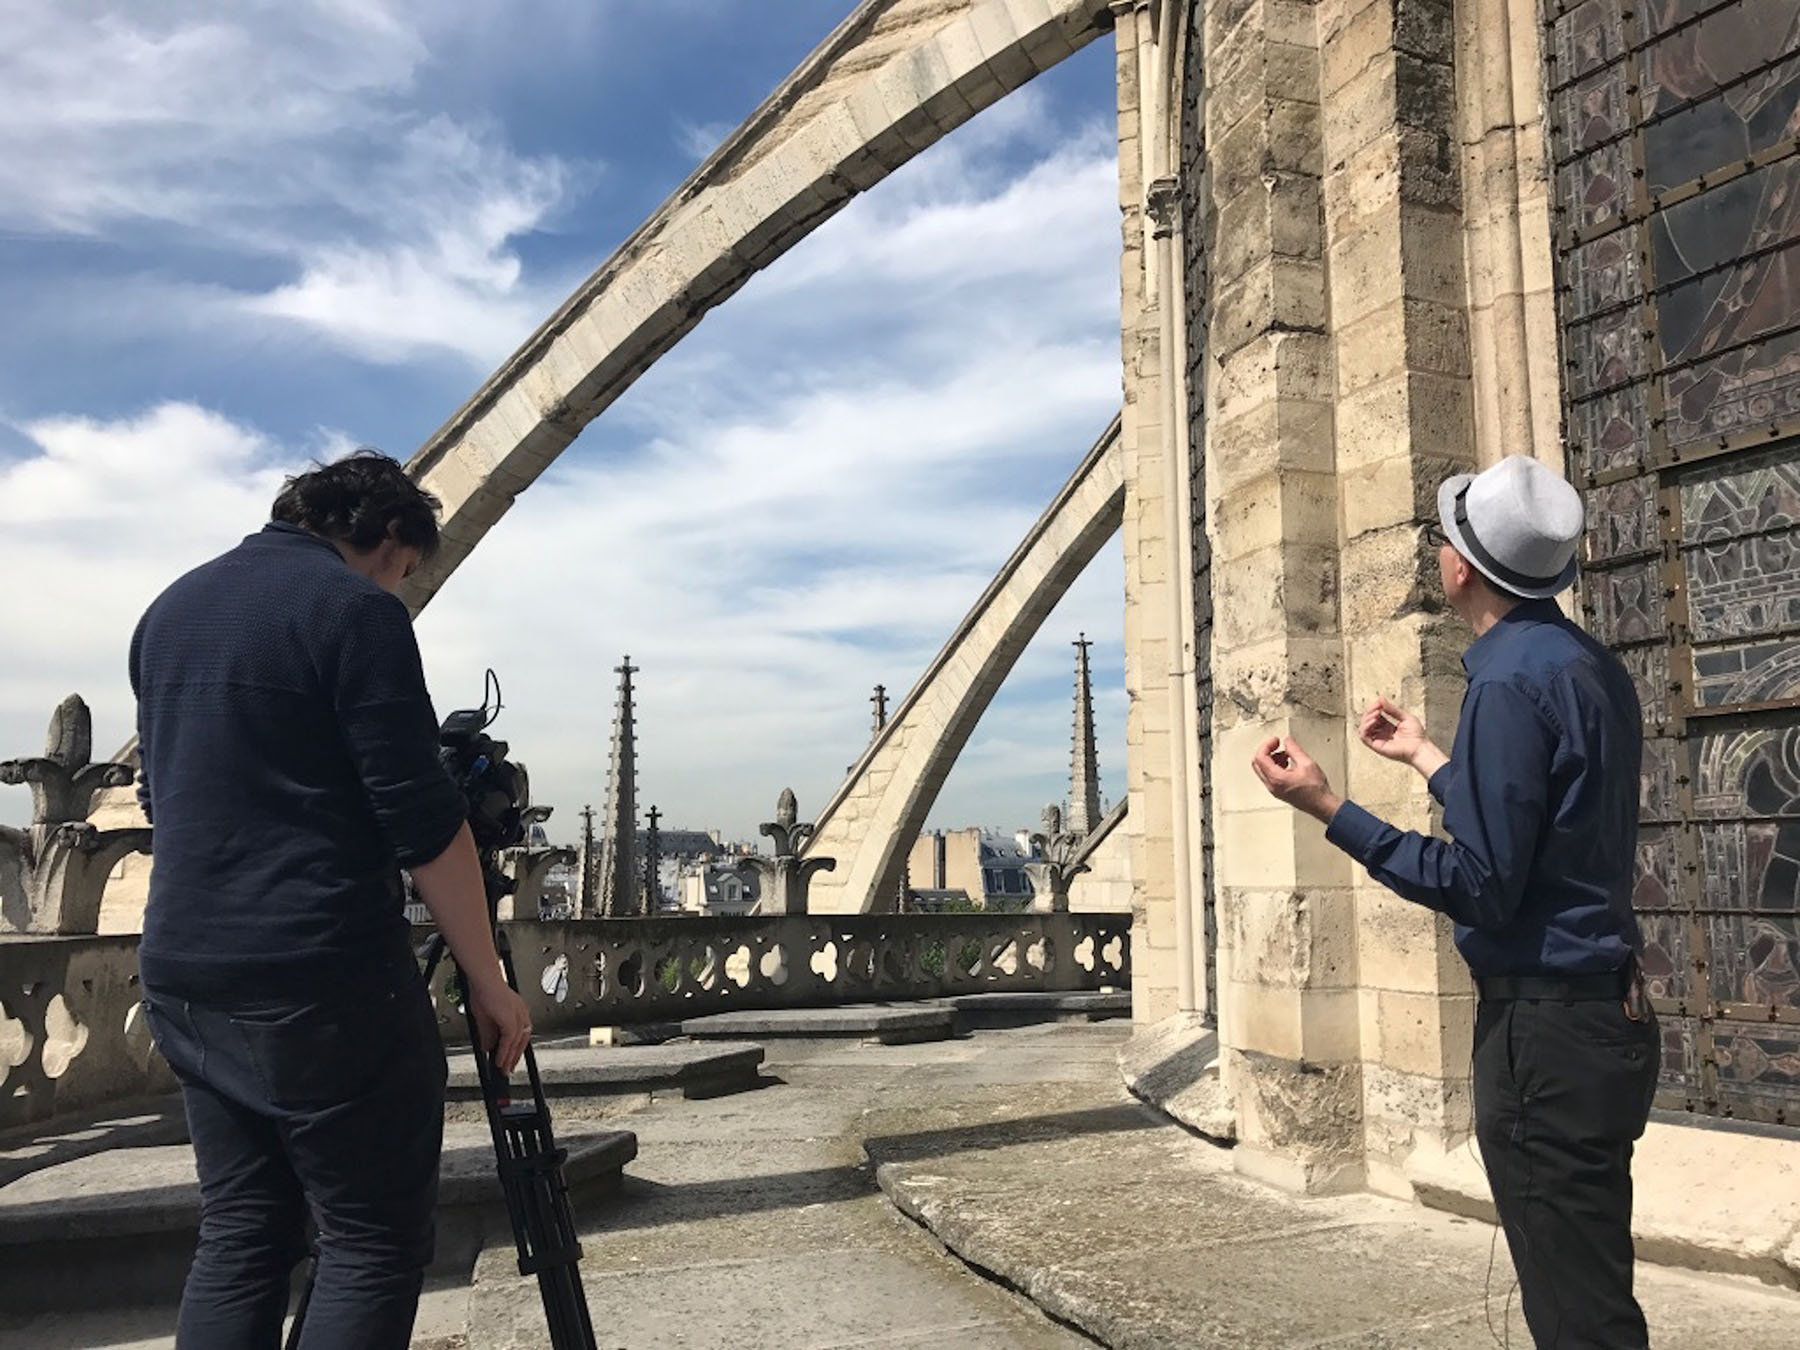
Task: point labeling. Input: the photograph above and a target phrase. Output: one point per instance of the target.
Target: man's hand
(1393, 733)
(502, 1019)
(1291, 776)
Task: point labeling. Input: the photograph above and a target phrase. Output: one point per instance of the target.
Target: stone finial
(55, 870)
(784, 878)
(64, 782)
(1055, 866)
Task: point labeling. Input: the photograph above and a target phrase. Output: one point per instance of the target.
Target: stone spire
(1084, 761)
(619, 894)
(653, 863)
(587, 882)
(879, 700)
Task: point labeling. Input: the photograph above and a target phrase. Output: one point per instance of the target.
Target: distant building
(987, 868)
(717, 888)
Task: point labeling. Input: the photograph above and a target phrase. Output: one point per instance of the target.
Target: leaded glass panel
(1612, 432)
(1607, 352)
(1621, 519)
(1666, 960)
(1677, 174)
(1596, 187)
(1591, 112)
(1759, 1069)
(1628, 603)
(1584, 39)
(1660, 775)
(1601, 275)
(1649, 671)
(1681, 1057)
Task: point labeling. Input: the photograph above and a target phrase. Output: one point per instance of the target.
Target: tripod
(530, 1165)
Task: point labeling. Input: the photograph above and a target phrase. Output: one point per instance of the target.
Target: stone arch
(894, 78)
(881, 807)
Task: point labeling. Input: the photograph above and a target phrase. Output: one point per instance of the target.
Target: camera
(497, 790)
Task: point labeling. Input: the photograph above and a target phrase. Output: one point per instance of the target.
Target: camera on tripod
(497, 790)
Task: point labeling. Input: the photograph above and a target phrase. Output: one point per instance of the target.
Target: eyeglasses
(1434, 534)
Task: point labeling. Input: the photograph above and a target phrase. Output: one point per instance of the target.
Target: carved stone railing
(73, 1038)
(600, 972)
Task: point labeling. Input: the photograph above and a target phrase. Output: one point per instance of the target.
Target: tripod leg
(306, 1292)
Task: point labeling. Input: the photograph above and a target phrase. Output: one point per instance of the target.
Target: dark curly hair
(356, 501)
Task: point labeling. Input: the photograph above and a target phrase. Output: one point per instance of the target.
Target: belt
(1607, 984)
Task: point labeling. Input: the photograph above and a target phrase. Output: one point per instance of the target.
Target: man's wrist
(1322, 805)
(1427, 760)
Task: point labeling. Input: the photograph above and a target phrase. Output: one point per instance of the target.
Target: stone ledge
(1713, 1198)
(1174, 1066)
(1031, 1009)
(885, 1023)
(118, 1228)
(610, 1070)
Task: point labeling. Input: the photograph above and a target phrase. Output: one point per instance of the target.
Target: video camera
(497, 790)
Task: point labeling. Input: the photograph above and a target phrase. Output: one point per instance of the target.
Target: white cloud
(284, 132)
(97, 520)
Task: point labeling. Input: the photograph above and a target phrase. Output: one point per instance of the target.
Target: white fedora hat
(1517, 523)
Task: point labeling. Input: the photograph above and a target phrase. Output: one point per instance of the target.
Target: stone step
(1029, 1008)
(696, 1071)
(888, 1024)
(118, 1228)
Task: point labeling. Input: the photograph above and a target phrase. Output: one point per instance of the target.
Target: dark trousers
(328, 1106)
(1562, 1091)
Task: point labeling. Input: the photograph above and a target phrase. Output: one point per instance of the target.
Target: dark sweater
(289, 754)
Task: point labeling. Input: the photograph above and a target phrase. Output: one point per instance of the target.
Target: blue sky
(235, 235)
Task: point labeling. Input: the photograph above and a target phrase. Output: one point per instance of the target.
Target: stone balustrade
(73, 1038)
(599, 972)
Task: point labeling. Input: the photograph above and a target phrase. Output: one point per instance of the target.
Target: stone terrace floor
(774, 1218)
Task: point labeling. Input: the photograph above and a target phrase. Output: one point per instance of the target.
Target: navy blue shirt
(289, 766)
(1540, 800)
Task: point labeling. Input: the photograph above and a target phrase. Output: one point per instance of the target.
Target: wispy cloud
(285, 133)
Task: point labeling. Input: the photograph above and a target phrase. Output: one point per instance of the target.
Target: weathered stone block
(1278, 368)
(1299, 1124)
(1259, 596)
(1386, 578)
(1410, 335)
(1300, 672)
(1280, 507)
(1277, 848)
(1405, 947)
(1415, 415)
(1281, 295)
(1425, 1034)
(1279, 216)
(1293, 939)
(1397, 491)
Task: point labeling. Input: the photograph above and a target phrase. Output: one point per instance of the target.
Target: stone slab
(707, 1070)
(1115, 1221)
(883, 1023)
(1709, 1197)
(1028, 1008)
(119, 1227)
(156, 1122)
(1174, 1066)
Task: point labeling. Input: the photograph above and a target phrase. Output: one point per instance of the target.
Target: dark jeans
(331, 1106)
(1562, 1091)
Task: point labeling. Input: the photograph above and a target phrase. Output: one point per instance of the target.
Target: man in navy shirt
(290, 769)
(1541, 802)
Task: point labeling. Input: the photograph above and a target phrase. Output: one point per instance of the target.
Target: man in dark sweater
(290, 769)
(1541, 802)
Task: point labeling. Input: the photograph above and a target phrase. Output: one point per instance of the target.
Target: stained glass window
(1675, 135)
